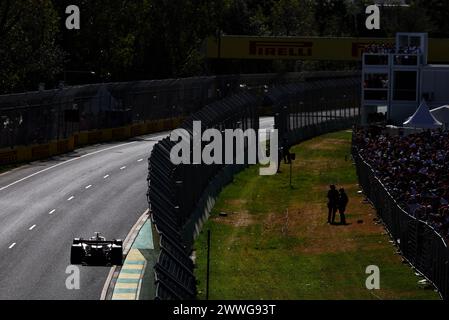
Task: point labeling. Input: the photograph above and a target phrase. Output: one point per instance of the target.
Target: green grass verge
(275, 244)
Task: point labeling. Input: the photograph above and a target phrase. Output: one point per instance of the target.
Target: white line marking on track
(123, 168)
(65, 162)
(89, 186)
(71, 198)
(52, 211)
(140, 160)
(32, 227)
(12, 246)
(106, 176)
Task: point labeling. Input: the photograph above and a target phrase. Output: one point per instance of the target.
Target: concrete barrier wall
(22, 154)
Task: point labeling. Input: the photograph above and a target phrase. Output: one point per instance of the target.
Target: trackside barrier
(317, 106)
(420, 244)
(43, 116)
(21, 154)
(181, 197)
(179, 194)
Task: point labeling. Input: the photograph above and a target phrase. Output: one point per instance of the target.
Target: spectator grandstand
(383, 48)
(414, 170)
(387, 48)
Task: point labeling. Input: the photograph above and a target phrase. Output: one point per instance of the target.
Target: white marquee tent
(423, 119)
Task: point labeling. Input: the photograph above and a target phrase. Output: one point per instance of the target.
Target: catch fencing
(320, 104)
(40, 117)
(43, 116)
(178, 194)
(420, 244)
(181, 196)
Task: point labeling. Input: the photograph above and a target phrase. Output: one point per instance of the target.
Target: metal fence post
(208, 265)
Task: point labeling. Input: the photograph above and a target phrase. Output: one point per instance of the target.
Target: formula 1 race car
(96, 251)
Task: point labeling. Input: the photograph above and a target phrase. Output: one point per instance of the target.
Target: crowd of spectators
(414, 169)
(403, 56)
(387, 48)
(382, 48)
(409, 50)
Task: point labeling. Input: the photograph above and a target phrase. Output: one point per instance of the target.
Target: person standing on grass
(342, 204)
(286, 151)
(332, 203)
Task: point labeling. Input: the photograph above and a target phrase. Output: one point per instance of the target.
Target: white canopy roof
(441, 114)
(422, 118)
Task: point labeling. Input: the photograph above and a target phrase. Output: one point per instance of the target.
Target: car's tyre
(118, 242)
(76, 254)
(117, 255)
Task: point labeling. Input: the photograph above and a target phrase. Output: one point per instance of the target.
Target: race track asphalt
(45, 204)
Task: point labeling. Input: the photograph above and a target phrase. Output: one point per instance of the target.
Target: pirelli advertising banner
(338, 49)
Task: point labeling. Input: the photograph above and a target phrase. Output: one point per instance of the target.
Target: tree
(140, 39)
(332, 18)
(293, 18)
(28, 50)
(436, 12)
(259, 22)
(236, 17)
(105, 43)
(405, 19)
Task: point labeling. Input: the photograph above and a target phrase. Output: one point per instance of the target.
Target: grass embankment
(275, 243)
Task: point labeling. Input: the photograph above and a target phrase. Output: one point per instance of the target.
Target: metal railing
(421, 245)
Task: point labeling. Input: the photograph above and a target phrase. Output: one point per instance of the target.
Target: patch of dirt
(321, 237)
(237, 219)
(237, 202)
(327, 144)
(272, 221)
(281, 223)
(307, 220)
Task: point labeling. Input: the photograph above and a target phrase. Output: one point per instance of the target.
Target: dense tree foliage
(28, 50)
(124, 40)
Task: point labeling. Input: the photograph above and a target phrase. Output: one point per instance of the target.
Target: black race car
(96, 251)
